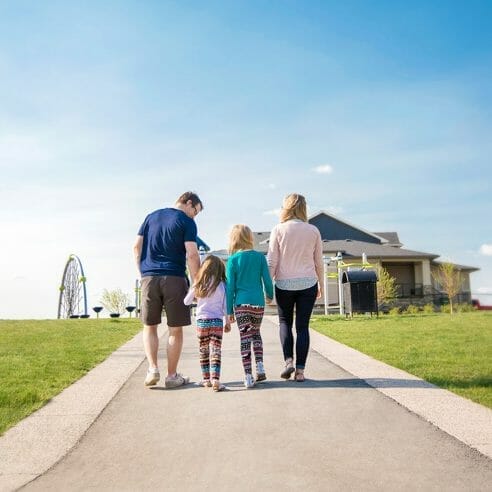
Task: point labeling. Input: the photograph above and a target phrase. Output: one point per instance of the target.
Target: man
(166, 242)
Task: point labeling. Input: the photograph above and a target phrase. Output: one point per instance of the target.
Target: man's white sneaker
(249, 381)
(176, 380)
(152, 377)
(260, 372)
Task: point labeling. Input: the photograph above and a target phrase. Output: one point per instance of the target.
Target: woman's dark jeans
(303, 302)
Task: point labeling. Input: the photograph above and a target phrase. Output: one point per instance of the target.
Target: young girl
(247, 280)
(209, 290)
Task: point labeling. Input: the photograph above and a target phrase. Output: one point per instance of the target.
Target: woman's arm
(273, 254)
(318, 264)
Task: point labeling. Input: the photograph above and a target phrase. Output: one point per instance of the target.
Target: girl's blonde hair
(240, 238)
(294, 207)
(210, 275)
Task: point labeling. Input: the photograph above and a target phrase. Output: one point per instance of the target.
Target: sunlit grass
(451, 351)
(38, 359)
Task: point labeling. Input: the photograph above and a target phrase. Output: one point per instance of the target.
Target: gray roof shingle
(391, 237)
(356, 248)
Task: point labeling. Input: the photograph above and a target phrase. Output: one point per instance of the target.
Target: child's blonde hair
(294, 207)
(210, 275)
(240, 238)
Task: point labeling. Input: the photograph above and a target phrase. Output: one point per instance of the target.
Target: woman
(295, 261)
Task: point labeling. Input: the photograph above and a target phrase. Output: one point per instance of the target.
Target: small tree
(115, 301)
(449, 278)
(385, 286)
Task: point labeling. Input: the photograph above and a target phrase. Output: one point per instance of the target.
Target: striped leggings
(248, 320)
(209, 333)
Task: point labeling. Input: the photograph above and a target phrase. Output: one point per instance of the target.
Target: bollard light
(97, 310)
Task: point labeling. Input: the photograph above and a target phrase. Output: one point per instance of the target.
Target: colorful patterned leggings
(209, 333)
(248, 320)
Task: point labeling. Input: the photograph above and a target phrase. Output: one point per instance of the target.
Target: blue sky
(109, 110)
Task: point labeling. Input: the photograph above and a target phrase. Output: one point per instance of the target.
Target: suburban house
(413, 270)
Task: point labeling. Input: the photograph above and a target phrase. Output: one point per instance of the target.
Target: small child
(247, 280)
(210, 292)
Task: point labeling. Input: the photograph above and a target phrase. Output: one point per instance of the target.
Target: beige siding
(403, 273)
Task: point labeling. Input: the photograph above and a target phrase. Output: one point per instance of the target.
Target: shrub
(464, 308)
(386, 289)
(115, 301)
(411, 309)
(428, 308)
(445, 308)
(395, 311)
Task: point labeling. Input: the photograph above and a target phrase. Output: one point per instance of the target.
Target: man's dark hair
(189, 195)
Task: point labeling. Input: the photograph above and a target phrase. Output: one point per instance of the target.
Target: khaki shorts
(166, 293)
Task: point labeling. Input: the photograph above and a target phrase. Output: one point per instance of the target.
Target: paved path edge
(38, 442)
(467, 421)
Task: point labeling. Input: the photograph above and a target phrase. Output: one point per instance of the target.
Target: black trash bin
(360, 292)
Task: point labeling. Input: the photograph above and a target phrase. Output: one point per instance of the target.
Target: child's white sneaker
(260, 372)
(249, 382)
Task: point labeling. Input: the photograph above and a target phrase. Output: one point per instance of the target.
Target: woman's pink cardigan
(295, 251)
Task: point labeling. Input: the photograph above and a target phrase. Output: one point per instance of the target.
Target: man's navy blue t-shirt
(163, 252)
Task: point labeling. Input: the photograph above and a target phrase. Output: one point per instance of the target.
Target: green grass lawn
(40, 358)
(451, 351)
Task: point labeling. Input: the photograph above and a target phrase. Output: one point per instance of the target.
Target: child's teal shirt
(247, 279)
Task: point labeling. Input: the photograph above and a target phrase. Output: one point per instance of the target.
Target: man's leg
(151, 318)
(151, 344)
(178, 315)
(174, 346)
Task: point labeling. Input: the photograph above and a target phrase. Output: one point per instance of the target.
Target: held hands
(227, 327)
(231, 318)
(268, 300)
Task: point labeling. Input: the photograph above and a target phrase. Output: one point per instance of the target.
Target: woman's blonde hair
(210, 275)
(294, 207)
(240, 238)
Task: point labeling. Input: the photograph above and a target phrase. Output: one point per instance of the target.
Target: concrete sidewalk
(35, 444)
(332, 432)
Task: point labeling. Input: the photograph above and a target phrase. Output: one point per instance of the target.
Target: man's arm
(137, 252)
(192, 259)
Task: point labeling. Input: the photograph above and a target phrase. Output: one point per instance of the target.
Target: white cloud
(486, 249)
(323, 169)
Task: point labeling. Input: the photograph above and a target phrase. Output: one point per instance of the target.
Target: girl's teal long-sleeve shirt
(248, 279)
